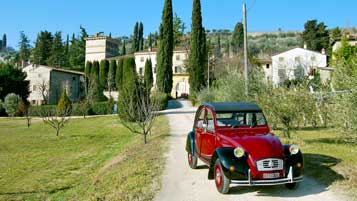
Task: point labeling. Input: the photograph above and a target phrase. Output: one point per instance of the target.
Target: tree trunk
(145, 138)
(57, 132)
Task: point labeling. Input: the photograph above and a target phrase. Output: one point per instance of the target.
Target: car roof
(233, 106)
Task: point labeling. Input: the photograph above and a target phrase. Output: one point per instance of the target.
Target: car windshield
(236, 119)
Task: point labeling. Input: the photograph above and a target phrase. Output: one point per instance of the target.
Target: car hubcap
(218, 177)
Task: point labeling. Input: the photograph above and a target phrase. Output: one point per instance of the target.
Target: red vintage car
(234, 140)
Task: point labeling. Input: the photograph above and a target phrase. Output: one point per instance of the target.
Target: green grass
(330, 156)
(93, 159)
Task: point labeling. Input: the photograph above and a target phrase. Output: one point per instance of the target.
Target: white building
(180, 76)
(47, 83)
(100, 47)
(351, 39)
(296, 63)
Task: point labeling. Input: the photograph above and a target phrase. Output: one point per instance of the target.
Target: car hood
(257, 146)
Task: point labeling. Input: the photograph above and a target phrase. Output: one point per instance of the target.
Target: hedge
(98, 108)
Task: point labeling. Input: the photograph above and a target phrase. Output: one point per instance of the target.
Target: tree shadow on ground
(318, 175)
(341, 140)
(174, 104)
(51, 191)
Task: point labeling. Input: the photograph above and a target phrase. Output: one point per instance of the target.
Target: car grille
(269, 164)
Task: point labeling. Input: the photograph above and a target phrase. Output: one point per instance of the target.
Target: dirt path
(181, 183)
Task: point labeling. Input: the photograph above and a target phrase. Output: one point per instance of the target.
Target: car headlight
(293, 149)
(238, 152)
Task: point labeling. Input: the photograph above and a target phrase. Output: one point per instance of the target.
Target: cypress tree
(123, 49)
(87, 72)
(57, 51)
(135, 44)
(66, 52)
(238, 38)
(3, 44)
(165, 51)
(111, 74)
(198, 50)
(141, 36)
(95, 91)
(148, 76)
(119, 74)
(128, 92)
(103, 73)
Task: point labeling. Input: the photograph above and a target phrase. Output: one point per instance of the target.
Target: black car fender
(191, 143)
(233, 167)
(293, 160)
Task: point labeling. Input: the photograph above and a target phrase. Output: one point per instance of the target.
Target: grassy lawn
(93, 159)
(330, 157)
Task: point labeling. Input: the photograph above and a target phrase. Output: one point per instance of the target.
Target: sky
(119, 16)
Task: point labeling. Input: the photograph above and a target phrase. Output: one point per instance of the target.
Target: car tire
(222, 182)
(192, 160)
(291, 186)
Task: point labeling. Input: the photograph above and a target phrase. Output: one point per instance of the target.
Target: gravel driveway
(181, 183)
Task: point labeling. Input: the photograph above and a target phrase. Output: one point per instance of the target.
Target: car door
(199, 130)
(208, 136)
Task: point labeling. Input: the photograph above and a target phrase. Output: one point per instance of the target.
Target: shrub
(161, 98)
(99, 108)
(64, 104)
(12, 102)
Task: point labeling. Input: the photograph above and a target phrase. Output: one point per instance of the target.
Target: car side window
(210, 124)
(200, 119)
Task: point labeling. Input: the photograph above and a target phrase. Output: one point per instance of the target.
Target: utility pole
(246, 82)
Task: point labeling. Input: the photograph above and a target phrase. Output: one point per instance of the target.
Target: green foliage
(42, 50)
(148, 75)
(179, 30)
(110, 105)
(123, 49)
(12, 80)
(64, 105)
(119, 74)
(25, 47)
(111, 75)
(160, 98)
(103, 73)
(165, 51)
(11, 103)
(77, 50)
(128, 91)
(135, 44)
(141, 36)
(56, 58)
(95, 90)
(315, 35)
(238, 38)
(198, 50)
(88, 69)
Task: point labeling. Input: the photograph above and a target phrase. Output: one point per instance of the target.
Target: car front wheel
(222, 182)
(192, 160)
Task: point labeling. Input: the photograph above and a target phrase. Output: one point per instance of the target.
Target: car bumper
(268, 182)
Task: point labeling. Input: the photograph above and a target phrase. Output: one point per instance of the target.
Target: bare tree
(55, 118)
(24, 109)
(140, 110)
(84, 106)
(44, 90)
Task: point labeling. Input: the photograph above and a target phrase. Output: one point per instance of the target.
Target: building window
(281, 59)
(142, 59)
(313, 58)
(39, 75)
(141, 70)
(177, 57)
(297, 59)
(34, 88)
(33, 102)
(154, 69)
(74, 78)
(267, 66)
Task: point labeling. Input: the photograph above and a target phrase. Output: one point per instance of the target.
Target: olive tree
(12, 102)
